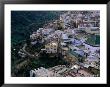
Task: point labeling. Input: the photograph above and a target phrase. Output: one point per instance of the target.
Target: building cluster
(60, 71)
(42, 72)
(81, 19)
(77, 39)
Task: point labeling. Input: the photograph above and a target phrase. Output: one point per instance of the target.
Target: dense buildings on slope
(76, 37)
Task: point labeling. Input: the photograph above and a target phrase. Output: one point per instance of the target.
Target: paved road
(30, 55)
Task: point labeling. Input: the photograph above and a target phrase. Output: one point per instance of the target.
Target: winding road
(30, 55)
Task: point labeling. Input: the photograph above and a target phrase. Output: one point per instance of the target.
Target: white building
(92, 49)
(41, 72)
(65, 38)
(34, 42)
(76, 42)
(33, 36)
(93, 61)
(59, 32)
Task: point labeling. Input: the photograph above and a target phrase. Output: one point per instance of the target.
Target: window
(47, 48)
(48, 51)
(55, 51)
(54, 45)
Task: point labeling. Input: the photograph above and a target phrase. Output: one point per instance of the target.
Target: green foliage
(93, 40)
(23, 23)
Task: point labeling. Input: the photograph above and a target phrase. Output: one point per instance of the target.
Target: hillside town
(74, 38)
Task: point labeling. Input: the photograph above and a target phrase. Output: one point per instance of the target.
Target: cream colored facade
(51, 47)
